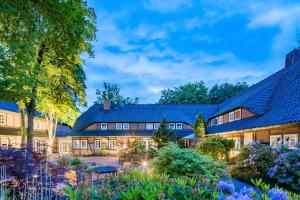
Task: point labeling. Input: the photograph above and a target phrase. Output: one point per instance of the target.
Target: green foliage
(76, 162)
(199, 126)
(164, 135)
(217, 147)
(112, 92)
(48, 62)
(254, 162)
(220, 93)
(176, 162)
(197, 93)
(64, 161)
(72, 194)
(191, 93)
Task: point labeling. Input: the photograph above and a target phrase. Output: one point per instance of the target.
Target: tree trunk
(51, 134)
(23, 127)
(30, 119)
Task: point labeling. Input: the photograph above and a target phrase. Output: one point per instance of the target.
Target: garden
(175, 172)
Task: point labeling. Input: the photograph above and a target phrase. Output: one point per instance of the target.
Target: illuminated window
(97, 144)
(111, 144)
(237, 143)
(220, 120)
(276, 140)
(237, 114)
(2, 119)
(37, 125)
(290, 140)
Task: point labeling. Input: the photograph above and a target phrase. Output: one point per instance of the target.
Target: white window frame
(179, 126)
(213, 121)
(220, 120)
(98, 144)
(118, 126)
(288, 143)
(276, 140)
(3, 119)
(156, 126)
(126, 126)
(103, 126)
(231, 117)
(170, 126)
(64, 146)
(82, 146)
(76, 144)
(149, 126)
(112, 144)
(240, 116)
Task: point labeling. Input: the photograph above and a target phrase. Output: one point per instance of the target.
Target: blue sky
(145, 46)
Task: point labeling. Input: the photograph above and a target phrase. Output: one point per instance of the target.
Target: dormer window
(125, 126)
(156, 126)
(231, 116)
(237, 114)
(118, 126)
(103, 126)
(220, 120)
(178, 126)
(172, 126)
(213, 122)
(149, 126)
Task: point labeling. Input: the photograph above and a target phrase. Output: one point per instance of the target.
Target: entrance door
(248, 138)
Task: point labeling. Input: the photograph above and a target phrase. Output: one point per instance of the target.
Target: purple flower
(239, 197)
(225, 187)
(298, 164)
(272, 171)
(277, 194)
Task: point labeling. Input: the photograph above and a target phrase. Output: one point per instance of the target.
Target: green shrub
(64, 161)
(217, 147)
(76, 162)
(254, 162)
(176, 162)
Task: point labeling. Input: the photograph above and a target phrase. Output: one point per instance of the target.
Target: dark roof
(116, 133)
(281, 107)
(144, 113)
(9, 106)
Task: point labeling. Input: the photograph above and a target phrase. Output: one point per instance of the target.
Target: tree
(112, 92)
(217, 147)
(163, 135)
(191, 93)
(199, 127)
(36, 39)
(220, 93)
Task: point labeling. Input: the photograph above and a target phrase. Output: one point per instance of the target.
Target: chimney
(292, 57)
(106, 105)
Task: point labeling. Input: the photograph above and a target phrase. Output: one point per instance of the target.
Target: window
(231, 116)
(172, 126)
(213, 122)
(4, 143)
(76, 144)
(220, 120)
(156, 126)
(83, 144)
(186, 143)
(111, 144)
(179, 126)
(2, 119)
(103, 126)
(237, 144)
(290, 140)
(275, 140)
(237, 114)
(97, 144)
(65, 146)
(119, 126)
(125, 126)
(149, 126)
(37, 125)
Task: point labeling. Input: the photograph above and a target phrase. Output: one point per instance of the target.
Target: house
(268, 111)
(10, 121)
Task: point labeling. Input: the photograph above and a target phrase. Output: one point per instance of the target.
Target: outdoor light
(145, 164)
